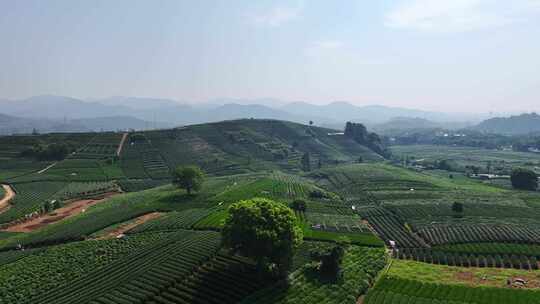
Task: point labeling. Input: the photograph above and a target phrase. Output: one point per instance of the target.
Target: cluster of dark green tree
(524, 179)
(359, 133)
(54, 151)
(329, 261)
(268, 232)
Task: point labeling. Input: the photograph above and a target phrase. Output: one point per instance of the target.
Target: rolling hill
(513, 125)
(406, 123)
(147, 158)
(240, 146)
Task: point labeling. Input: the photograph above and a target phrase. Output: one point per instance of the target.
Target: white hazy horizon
(476, 56)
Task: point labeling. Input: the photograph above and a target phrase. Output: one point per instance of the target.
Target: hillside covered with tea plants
(102, 218)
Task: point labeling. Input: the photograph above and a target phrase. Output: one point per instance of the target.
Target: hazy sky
(453, 55)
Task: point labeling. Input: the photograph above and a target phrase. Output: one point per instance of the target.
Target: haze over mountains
(49, 113)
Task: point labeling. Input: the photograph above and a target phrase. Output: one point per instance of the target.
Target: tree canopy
(299, 205)
(524, 179)
(264, 230)
(190, 178)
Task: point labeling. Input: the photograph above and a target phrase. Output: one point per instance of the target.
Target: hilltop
(139, 160)
(227, 147)
(245, 145)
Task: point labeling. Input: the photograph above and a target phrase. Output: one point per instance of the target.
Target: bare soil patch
(199, 144)
(8, 196)
(71, 209)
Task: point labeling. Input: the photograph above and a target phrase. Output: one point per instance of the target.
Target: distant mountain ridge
(19, 125)
(371, 114)
(150, 109)
(168, 112)
(58, 107)
(513, 125)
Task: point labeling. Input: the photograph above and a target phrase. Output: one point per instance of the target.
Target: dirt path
(119, 150)
(47, 168)
(59, 214)
(490, 277)
(8, 196)
(121, 229)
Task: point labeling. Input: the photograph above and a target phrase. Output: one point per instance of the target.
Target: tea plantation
(104, 224)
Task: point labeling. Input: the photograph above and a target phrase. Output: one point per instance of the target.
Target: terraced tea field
(103, 145)
(151, 242)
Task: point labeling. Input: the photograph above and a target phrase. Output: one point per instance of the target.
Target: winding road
(47, 168)
(121, 144)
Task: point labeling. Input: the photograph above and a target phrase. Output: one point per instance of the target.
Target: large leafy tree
(264, 230)
(524, 179)
(190, 178)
